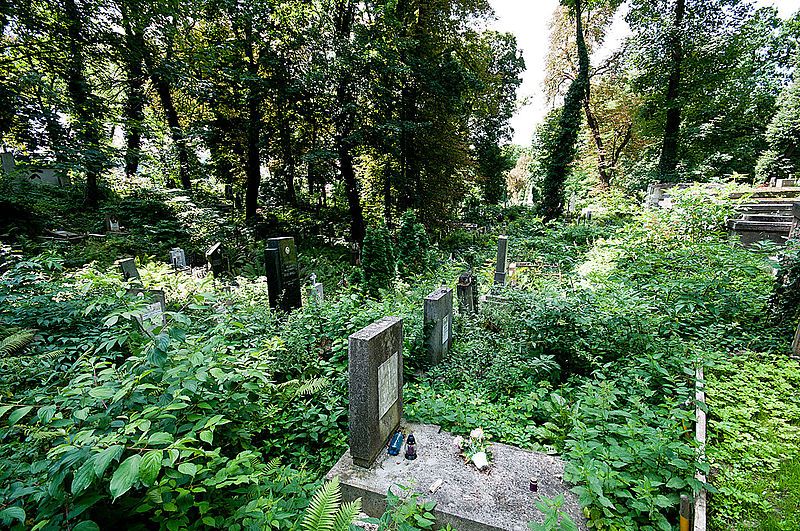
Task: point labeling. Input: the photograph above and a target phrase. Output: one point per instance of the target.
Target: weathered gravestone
(438, 324)
(283, 274)
(501, 270)
(216, 262)
(794, 232)
(47, 177)
(467, 292)
(177, 258)
(317, 291)
(376, 388)
(155, 308)
(112, 224)
(7, 163)
(127, 266)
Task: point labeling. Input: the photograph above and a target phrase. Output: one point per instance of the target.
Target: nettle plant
(167, 428)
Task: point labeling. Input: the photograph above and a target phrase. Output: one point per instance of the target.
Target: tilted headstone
(7, 163)
(501, 271)
(467, 292)
(283, 274)
(155, 309)
(127, 266)
(177, 258)
(376, 388)
(216, 262)
(438, 324)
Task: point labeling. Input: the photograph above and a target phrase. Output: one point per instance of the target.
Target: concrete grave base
(468, 500)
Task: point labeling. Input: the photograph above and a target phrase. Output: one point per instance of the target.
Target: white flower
(476, 434)
(458, 443)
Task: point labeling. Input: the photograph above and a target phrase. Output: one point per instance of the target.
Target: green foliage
(377, 260)
(16, 342)
(554, 520)
(754, 429)
(413, 246)
(405, 511)
(781, 160)
(325, 511)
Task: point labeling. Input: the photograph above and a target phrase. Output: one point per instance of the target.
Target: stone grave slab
(468, 500)
(283, 274)
(376, 387)
(127, 267)
(438, 324)
(501, 269)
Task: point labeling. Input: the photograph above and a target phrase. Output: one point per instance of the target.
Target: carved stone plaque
(387, 384)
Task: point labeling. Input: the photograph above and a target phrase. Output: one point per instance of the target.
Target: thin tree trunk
(253, 167)
(134, 106)
(669, 149)
(603, 168)
(345, 12)
(85, 108)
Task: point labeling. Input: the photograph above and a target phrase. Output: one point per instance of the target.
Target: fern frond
(347, 515)
(312, 386)
(321, 512)
(16, 342)
(272, 465)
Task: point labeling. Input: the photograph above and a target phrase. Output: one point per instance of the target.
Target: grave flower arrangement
(476, 448)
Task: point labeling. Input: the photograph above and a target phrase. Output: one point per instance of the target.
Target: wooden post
(699, 523)
(685, 513)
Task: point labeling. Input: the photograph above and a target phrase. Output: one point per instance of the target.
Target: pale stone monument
(7, 163)
(501, 270)
(317, 291)
(283, 274)
(376, 388)
(177, 258)
(438, 324)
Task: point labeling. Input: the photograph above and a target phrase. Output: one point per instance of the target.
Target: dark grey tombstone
(216, 262)
(155, 309)
(467, 293)
(376, 388)
(7, 163)
(127, 266)
(501, 271)
(283, 274)
(438, 324)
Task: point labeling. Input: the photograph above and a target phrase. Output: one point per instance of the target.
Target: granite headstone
(127, 266)
(438, 324)
(283, 274)
(216, 262)
(376, 387)
(467, 292)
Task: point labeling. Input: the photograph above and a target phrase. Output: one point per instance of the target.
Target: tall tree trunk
(344, 121)
(668, 162)
(134, 105)
(253, 167)
(603, 168)
(288, 167)
(86, 110)
(562, 153)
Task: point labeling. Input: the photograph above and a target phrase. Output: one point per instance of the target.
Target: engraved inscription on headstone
(283, 274)
(153, 315)
(177, 258)
(438, 324)
(387, 384)
(376, 387)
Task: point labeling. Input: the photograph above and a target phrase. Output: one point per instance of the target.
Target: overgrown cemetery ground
(228, 414)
